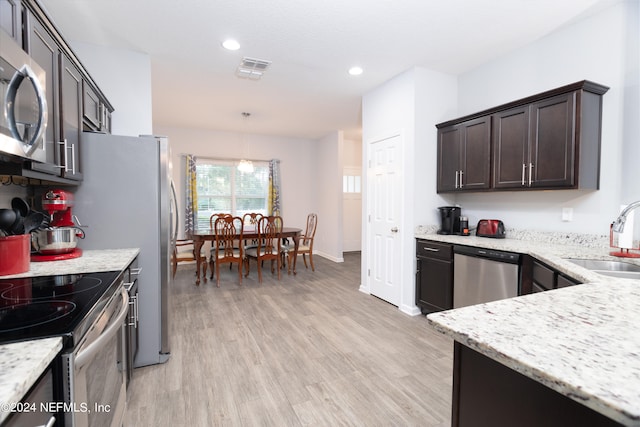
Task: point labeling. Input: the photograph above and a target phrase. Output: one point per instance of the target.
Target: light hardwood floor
(306, 350)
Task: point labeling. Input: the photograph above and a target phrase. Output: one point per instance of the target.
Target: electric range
(49, 306)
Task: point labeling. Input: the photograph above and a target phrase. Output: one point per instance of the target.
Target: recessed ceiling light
(355, 71)
(231, 44)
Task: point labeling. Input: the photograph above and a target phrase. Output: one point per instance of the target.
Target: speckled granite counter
(21, 365)
(582, 341)
(91, 261)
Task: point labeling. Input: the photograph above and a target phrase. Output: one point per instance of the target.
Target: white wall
(631, 105)
(124, 77)
(602, 48)
(328, 195)
(351, 153)
(436, 101)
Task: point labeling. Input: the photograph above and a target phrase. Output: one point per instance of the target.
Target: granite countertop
(582, 341)
(91, 261)
(21, 365)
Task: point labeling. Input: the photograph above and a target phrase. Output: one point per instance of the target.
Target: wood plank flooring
(308, 350)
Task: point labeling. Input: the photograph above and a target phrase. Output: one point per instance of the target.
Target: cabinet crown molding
(585, 85)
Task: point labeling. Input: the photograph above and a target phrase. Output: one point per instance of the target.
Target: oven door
(96, 392)
(23, 118)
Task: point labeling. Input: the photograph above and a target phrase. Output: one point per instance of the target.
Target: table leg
(296, 242)
(197, 249)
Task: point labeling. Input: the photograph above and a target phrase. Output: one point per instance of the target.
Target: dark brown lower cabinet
(487, 393)
(539, 277)
(434, 276)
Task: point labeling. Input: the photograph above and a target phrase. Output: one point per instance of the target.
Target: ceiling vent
(252, 68)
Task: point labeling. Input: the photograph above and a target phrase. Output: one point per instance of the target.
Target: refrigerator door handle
(174, 235)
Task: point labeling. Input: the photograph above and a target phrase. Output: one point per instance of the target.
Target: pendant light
(245, 166)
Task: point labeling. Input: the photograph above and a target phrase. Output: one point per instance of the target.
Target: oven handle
(87, 354)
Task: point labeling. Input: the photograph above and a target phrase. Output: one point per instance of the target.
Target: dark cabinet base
(434, 276)
(487, 393)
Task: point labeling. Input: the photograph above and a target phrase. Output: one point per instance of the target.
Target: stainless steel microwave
(23, 119)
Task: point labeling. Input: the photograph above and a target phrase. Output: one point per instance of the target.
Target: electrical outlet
(567, 214)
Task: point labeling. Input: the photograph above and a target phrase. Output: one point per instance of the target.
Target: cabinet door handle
(524, 169)
(461, 173)
(66, 157)
(132, 311)
(530, 169)
(73, 159)
(456, 184)
(394, 229)
(137, 310)
(431, 249)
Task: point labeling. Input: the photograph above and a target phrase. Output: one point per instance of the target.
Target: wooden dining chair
(251, 220)
(215, 216)
(228, 233)
(269, 245)
(183, 251)
(305, 243)
(212, 258)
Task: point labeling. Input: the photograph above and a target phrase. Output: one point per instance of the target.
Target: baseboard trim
(329, 257)
(411, 310)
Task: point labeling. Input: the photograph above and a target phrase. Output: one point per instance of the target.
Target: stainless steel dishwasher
(484, 275)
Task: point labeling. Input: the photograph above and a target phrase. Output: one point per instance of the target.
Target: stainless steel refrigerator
(127, 200)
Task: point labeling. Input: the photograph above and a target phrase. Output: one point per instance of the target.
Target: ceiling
(306, 92)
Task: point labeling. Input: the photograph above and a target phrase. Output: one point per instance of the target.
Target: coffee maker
(449, 219)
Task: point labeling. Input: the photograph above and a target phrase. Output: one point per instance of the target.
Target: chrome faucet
(618, 224)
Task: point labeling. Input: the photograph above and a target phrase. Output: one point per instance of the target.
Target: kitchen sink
(609, 268)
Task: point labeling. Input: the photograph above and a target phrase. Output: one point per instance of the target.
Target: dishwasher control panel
(491, 254)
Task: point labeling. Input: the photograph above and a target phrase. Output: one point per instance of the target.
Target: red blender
(59, 240)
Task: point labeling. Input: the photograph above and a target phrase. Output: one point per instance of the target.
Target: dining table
(201, 235)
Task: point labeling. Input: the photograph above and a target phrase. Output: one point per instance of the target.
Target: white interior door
(384, 190)
(352, 210)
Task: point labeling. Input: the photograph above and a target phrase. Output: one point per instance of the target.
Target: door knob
(394, 230)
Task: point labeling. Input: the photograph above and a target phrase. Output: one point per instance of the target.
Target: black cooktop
(47, 306)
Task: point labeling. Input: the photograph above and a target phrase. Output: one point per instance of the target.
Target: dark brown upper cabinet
(11, 18)
(535, 145)
(71, 98)
(464, 156)
(43, 48)
(546, 141)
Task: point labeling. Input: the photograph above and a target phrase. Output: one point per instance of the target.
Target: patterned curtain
(274, 187)
(191, 205)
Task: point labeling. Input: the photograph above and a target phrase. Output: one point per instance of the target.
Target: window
(351, 184)
(222, 188)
